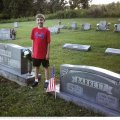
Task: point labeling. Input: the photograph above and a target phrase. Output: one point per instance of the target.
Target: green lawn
(23, 101)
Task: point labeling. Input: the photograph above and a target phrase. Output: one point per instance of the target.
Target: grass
(16, 100)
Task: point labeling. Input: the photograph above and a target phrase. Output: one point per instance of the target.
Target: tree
(56, 5)
(1, 6)
(79, 4)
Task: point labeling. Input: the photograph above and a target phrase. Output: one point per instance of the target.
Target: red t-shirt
(41, 38)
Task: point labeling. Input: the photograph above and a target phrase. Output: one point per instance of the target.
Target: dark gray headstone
(13, 65)
(112, 51)
(92, 87)
(77, 47)
(5, 34)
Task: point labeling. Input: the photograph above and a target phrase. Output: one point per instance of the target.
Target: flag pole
(55, 94)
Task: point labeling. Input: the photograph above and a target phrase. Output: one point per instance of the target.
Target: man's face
(40, 21)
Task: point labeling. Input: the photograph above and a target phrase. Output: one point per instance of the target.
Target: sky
(104, 1)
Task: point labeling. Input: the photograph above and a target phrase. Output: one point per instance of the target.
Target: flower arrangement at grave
(27, 54)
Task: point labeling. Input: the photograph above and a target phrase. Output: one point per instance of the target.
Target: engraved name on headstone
(96, 86)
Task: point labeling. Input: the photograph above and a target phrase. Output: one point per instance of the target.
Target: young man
(40, 37)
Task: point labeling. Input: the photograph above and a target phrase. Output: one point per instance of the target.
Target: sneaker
(34, 84)
(46, 85)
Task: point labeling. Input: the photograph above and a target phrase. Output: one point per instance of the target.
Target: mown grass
(16, 100)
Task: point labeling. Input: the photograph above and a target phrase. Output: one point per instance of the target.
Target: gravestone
(54, 30)
(112, 51)
(77, 47)
(13, 65)
(16, 24)
(103, 26)
(86, 26)
(5, 34)
(117, 27)
(91, 87)
(74, 26)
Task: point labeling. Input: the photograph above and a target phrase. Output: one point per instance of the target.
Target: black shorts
(38, 62)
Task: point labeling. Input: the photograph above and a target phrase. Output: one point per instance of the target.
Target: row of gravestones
(80, 47)
(10, 34)
(102, 26)
(92, 87)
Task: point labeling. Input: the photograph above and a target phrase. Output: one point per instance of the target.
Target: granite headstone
(78, 47)
(86, 26)
(117, 27)
(5, 34)
(74, 26)
(112, 51)
(13, 65)
(92, 87)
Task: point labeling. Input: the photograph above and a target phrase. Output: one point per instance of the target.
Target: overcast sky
(104, 1)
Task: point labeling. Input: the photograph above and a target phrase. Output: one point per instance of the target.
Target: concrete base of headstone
(21, 79)
(112, 51)
(77, 47)
(85, 103)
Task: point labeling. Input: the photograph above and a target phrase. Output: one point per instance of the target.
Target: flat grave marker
(78, 47)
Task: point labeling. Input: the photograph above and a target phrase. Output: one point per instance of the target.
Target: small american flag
(52, 83)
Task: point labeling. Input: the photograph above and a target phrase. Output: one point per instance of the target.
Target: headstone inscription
(5, 34)
(78, 47)
(92, 87)
(13, 65)
(112, 51)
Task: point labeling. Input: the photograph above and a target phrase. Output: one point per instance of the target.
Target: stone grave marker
(78, 47)
(74, 26)
(92, 87)
(16, 24)
(112, 51)
(117, 27)
(13, 65)
(54, 30)
(103, 26)
(86, 26)
(5, 34)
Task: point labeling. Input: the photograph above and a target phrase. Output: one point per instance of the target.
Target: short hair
(39, 16)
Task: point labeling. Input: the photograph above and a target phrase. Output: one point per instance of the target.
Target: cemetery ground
(17, 100)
